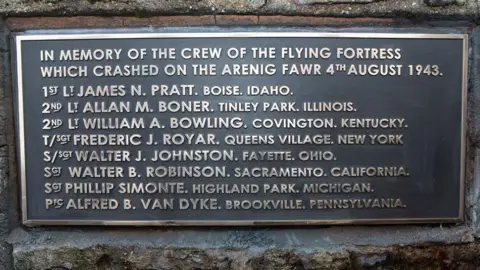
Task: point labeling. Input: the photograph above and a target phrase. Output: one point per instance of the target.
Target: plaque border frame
(18, 95)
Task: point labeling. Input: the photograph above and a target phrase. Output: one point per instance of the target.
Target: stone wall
(315, 247)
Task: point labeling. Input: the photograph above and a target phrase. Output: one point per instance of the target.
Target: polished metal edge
(20, 113)
(463, 128)
(21, 128)
(238, 35)
(235, 222)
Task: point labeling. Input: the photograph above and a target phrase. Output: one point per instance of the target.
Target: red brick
(236, 19)
(321, 21)
(288, 20)
(24, 23)
(357, 21)
(169, 21)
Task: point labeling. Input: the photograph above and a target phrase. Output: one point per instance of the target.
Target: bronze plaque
(240, 128)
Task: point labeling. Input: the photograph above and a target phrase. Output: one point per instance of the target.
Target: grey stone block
(367, 8)
(473, 189)
(226, 248)
(50, 252)
(310, 2)
(441, 3)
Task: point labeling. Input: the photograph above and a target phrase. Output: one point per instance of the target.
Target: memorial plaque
(240, 128)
